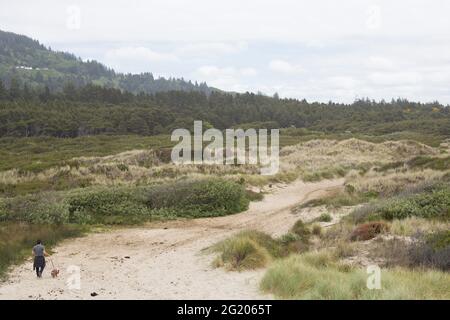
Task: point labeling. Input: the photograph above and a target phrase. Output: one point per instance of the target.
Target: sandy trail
(163, 260)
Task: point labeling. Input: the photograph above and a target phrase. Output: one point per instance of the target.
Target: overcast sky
(320, 50)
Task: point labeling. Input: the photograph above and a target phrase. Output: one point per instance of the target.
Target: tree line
(92, 109)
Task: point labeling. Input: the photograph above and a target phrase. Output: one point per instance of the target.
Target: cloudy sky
(320, 50)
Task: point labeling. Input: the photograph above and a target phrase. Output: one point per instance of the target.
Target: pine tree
(14, 89)
(45, 96)
(3, 92)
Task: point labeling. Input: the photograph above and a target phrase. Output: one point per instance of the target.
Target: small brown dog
(55, 273)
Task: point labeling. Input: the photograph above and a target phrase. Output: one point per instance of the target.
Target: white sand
(165, 259)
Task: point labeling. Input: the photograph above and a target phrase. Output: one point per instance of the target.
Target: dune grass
(251, 249)
(246, 250)
(319, 276)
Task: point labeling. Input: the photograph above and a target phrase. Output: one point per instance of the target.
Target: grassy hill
(31, 63)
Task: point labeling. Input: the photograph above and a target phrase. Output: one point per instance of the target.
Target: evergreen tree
(14, 89)
(3, 92)
(45, 95)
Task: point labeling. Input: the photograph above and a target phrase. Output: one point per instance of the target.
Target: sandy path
(163, 260)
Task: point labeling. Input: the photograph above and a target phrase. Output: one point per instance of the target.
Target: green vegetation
(431, 251)
(321, 276)
(128, 205)
(94, 110)
(246, 250)
(253, 249)
(432, 205)
(340, 199)
(430, 163)
(301, 230)
(39, 153)
(325, 217)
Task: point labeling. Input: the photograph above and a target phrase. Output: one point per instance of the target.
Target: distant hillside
(31, 63)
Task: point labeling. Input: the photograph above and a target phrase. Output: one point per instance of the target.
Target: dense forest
(91, 109)
(26, 61)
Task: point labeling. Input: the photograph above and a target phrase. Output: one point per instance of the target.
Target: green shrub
(288, 238)
(105, 205)
(432, 203)
(426, 205)
(42, 208)
(199, 198)
(122, 167)
(350, 188)
(301, 230)
(128, 205)
(325, 217)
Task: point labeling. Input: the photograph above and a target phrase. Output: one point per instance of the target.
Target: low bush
(106, 205)
(42, 208)
(128, 205)
(426, 205)
(368, 231)
(301, 230)
(434, 204)
(206, 197)
(325, 217)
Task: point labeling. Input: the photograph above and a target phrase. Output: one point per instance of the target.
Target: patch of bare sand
(163, 260)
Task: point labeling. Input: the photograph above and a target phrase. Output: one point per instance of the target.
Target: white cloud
(227, 78)
(140, 53)
(132, 59)
(377, 62)
(217, 72)
(285, 67)
(248, 72)
(211, 48)
(342, 82)
(395, 78)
